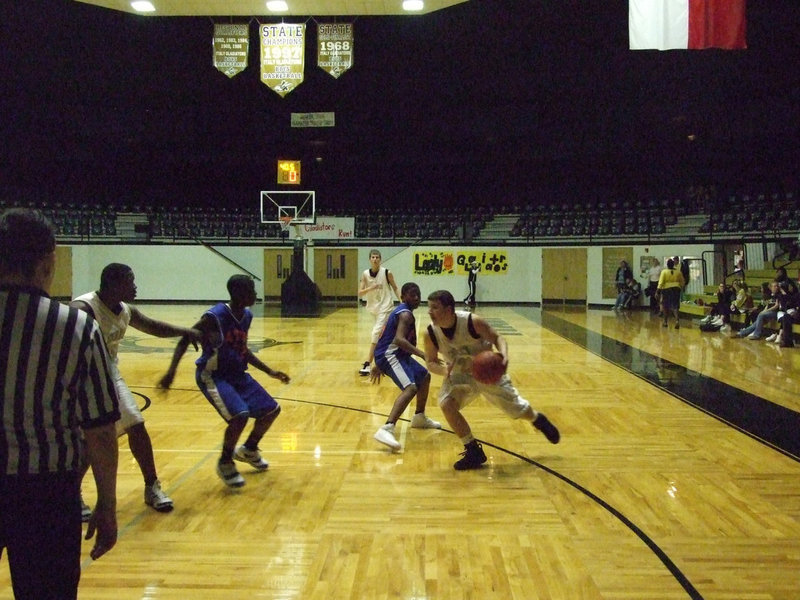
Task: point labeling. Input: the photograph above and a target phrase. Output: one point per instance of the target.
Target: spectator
(623, 274)
(756, 330)
(670, 284)
(720, 314)
(788, 312)
(632, 293)
(652, 286)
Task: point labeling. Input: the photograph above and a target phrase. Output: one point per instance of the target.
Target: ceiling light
(143, 6)
(413, 5)
(277, 6)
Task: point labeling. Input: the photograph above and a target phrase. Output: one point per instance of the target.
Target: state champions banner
(335, 47)
(231, 45)
(282, 56)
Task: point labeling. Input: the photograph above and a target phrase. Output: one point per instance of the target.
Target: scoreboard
(289, 172)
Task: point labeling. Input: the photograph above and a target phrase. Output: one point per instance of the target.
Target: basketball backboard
(277, 206)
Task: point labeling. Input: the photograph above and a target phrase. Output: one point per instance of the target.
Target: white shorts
(380, 323)
(130, 414)
(464, 389)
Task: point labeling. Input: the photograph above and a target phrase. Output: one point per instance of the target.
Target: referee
(54, 383)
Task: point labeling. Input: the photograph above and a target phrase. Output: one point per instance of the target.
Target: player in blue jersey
(393, 357)
(223, 378)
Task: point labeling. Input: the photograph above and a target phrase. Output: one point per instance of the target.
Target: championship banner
(335, 47)
(283, 56)
(231, 45)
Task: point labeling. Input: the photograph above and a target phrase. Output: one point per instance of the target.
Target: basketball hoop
(284, 223)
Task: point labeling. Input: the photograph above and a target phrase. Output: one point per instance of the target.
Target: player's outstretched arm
(161, 329)
(252, 359)
(203, 327)
(433, 363)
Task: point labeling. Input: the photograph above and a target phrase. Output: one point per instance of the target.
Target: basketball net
(284, 223)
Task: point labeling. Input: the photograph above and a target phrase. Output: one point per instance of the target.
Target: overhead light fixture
(277, 6)
(411, 5)
(143, 6)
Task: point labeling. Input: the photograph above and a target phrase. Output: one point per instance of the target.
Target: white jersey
(460, 349)
(379, 300)
(111, 325)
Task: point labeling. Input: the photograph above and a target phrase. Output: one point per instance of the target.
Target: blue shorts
(404, 371)
(236, 396)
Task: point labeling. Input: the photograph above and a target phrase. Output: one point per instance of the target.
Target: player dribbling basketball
(458, 336)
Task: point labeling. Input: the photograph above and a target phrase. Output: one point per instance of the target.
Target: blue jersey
(386, 345)
(225, 354)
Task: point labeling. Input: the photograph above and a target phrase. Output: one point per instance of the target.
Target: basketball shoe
(228, 473)
(154, 496)
(549, 430)
(422, 421)
(251, 457)
(365, 369)
(472, 457)
(86, 511)
(385, 435)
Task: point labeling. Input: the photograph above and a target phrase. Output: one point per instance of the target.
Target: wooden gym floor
(678, 473)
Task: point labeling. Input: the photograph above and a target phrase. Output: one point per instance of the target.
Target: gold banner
(231, 45)
(283, 56)
(334, 47)
(433, 262)
(491, 262)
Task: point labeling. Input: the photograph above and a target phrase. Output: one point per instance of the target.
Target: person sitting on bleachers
(770, 311)
(743, 302)
(766, 298)
(788, 312)
(632, 293)
(721, 311)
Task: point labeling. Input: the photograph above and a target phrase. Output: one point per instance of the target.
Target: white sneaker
(385, 435)
(251, 457)
(228, 473)
(772, 338)
(753, 336)
(154, 496)
(86, 511)
(365, 369)
(421, 421)
(706, 319)
(725, 328)
(718, 321)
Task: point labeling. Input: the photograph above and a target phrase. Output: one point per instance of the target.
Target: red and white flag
(682, 24)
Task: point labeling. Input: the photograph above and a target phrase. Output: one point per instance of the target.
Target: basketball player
(111, 309)
(376, 288)
(459, 336)
(223, 378)
(393, 352)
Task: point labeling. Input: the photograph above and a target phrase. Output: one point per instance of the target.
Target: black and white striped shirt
(54, 380)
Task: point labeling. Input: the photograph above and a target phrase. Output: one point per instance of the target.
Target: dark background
(488, 102)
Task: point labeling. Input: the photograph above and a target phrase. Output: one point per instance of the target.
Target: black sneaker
(549, 430)
(473, 457)
(365, 369)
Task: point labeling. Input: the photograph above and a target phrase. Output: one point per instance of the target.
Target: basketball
(487, 367)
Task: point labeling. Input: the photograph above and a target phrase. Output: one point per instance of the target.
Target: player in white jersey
(109, 307)
(458, 337)
(376, 288)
